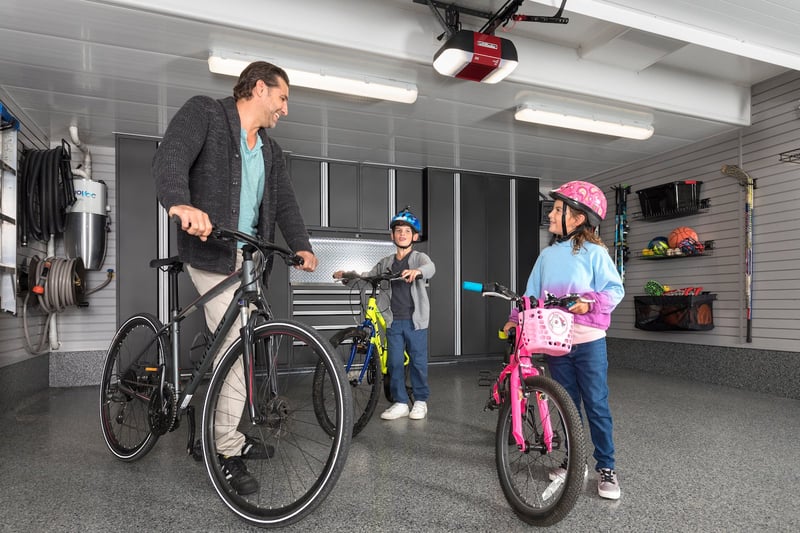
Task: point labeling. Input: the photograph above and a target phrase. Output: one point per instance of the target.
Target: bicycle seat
(166, 262)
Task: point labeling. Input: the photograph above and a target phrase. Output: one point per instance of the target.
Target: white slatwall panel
(776, 278)
(12, 338)
(79, 329)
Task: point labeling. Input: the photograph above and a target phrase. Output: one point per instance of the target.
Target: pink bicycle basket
(546, 330)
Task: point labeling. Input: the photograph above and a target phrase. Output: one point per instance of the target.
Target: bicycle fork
(519, 399)
(371, 351)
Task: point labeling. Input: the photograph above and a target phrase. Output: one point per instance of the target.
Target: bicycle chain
(161, 422)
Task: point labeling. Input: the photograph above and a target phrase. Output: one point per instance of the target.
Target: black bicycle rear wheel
(364, 379)
(539, 492)
(130, 377)
(307, 460)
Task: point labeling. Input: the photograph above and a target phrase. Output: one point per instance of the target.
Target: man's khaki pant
(232, 396)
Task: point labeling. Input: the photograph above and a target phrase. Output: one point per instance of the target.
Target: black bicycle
(274, 362)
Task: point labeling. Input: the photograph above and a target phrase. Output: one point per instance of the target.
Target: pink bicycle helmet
(584, 196)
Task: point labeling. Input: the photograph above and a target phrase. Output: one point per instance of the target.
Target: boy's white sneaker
(419, 411)
(396, 410)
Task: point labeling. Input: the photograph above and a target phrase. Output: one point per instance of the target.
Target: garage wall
(771, 362)
(776, 279)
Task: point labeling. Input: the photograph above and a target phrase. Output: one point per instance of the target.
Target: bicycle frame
(375, 325)
(516, 371)
(519, 368)
(249, 292)
(373, 316)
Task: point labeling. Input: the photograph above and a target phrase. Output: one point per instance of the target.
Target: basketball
(704, 315)
(659, 245)
(681, 233)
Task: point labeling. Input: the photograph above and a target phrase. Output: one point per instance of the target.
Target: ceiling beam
(693, 28)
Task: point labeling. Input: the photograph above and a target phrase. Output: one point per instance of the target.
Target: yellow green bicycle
(364, 351)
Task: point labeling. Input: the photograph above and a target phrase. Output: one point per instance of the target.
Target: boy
(405, 306)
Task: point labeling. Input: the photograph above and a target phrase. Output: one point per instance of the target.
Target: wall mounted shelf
(792, 156)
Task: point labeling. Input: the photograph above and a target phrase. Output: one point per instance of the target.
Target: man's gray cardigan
(198, 163)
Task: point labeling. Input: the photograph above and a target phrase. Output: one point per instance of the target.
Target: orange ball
(680, 233)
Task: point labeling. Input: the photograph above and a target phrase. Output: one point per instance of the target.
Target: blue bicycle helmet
(406, 217)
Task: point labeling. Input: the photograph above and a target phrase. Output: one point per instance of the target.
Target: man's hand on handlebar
(193, 221)
(309, 261)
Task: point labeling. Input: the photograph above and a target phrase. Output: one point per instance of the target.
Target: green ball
(659, 245)
(653, 288)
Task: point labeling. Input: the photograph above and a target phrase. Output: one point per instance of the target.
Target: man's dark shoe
(237, 475)
(254, 448)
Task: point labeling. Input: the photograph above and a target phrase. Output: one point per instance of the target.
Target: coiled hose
(46, 184)
(61, 283)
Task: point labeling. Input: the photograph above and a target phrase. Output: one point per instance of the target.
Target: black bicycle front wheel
(542, 486)
(362, 375)
(306, 460)
(130, 376)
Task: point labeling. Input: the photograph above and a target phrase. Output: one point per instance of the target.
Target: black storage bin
(676, 313)
(674, 199)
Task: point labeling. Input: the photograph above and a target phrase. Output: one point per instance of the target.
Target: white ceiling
(127, 65)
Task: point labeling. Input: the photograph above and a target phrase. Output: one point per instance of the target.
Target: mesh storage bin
(665, 313)
(674, 199)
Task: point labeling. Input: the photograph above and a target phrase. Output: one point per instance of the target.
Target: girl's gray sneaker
(608, 485)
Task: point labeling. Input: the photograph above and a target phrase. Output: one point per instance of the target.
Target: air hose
(59, 283)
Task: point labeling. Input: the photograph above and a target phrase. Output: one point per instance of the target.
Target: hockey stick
(749, 184)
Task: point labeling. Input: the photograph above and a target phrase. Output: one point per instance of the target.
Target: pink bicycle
(540, 450)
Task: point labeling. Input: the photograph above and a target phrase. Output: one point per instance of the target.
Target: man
(217, 163)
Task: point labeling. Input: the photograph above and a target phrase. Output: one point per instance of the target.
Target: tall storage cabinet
(477, 234)
(138, 232)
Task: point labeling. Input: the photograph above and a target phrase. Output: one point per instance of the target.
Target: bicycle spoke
(127, 384)
(543, 481)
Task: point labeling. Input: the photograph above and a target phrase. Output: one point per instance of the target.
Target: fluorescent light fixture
(474, 56)
(314, 78)
(587, 117)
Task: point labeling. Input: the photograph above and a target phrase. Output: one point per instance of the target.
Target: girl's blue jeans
(584, 374)
(403, 337)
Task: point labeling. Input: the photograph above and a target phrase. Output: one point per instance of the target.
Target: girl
(577, 262)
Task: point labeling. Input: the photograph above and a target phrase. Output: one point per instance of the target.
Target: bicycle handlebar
(220, 233)
(373, 280)
(499, 291)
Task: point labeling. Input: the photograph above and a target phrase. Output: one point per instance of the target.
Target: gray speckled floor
(690, 456)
